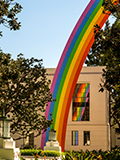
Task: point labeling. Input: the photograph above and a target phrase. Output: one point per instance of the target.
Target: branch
(117, 121)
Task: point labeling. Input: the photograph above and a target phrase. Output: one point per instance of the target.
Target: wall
(99, 122)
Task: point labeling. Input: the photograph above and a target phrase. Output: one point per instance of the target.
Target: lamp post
(7, 144)
(52, 143)
(52, 135)
(4, 127)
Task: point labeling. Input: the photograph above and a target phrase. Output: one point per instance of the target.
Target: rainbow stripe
(69, 67)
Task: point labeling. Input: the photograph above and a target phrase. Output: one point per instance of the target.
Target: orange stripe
(62, 128)
(67, 99)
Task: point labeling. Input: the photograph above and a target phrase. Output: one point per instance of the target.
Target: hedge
(32, 152)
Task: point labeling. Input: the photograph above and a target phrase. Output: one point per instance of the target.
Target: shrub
(78, 155)
(2, 158)
(90, 155)
(50, 153)
(30, 152)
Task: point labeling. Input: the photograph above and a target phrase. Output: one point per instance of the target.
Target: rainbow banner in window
(81, 102)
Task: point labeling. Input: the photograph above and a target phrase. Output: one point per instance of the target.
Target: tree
(24, 93)
(106, 52)
(113, 6)
(24, 88)
(8, 11)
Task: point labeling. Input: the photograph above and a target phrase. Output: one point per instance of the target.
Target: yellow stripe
(66, 83)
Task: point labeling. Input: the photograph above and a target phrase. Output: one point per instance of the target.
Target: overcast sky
(46, 27)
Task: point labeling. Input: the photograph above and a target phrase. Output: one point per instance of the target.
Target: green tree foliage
(106, 52)
(8, 11)
(24, 93)
(112, 7)
(24, 88)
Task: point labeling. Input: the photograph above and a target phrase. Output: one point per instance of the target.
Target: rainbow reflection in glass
(81, 102)
(74, 138)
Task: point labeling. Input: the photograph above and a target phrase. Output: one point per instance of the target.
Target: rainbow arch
(69, 67)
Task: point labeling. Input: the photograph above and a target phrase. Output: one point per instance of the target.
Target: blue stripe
(70, 50)
(67, 56)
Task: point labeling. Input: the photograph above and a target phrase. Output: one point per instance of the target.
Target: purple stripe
(66, 49)
(69, 42)
(87, 92)
(43, 139)
(62, 59)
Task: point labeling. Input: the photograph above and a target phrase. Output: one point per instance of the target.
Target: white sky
(46, 27)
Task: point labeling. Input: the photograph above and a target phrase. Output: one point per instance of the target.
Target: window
(81, 103)
(74, 138)
(86, 138)
(31, 139)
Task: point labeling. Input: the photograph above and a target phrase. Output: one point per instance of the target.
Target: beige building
(88, 121)
(93, 133)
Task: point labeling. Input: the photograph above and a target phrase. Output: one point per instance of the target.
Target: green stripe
(70, 60)
(79, 113)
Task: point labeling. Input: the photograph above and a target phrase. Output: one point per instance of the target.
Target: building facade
(88, 121)
(92, 130)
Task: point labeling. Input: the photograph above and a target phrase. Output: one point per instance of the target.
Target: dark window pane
(85, 116)
(86, 138)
